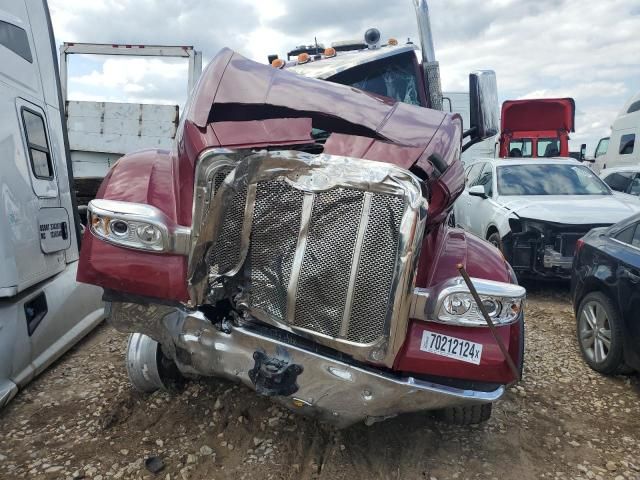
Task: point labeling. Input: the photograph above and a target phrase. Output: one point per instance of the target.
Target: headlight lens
(459, 307)
(128, 233)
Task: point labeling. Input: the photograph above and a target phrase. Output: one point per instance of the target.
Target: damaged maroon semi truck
(295, 240)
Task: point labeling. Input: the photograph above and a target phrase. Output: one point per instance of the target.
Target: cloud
(585, 49)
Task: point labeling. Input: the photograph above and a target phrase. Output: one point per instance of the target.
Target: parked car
(534, 210)
(623, 179)
(605, 286)
(287, 242)
(43, 310)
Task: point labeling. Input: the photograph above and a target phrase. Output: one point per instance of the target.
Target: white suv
(535, 210)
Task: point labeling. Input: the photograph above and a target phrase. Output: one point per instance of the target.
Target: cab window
(548, 147)
(626, 143)
(520, 147)
(37, 145)
(602, 147)
(634, 188)
(394, 77)
(15, 39)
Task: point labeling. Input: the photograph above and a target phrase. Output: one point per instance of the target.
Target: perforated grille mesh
(219, 177)
(274, 236)
(326, 265)
(376, 266)
(225, 253)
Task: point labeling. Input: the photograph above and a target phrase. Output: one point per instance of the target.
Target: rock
(257, 441)
(206, 450)
(54, 469)
(273, 421)
(573, 443)
(218, 404)
(611, 466)
(619, 477)
(160, 443)
(191, 458)
(124, 451)
(97, 477)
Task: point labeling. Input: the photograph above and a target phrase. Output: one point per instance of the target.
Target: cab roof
(327, 67)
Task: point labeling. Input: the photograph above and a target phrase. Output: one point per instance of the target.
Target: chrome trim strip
(355, 261)
(301, 246)
(419, 302)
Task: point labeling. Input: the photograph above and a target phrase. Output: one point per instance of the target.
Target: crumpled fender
(446, 247)
(145, 177)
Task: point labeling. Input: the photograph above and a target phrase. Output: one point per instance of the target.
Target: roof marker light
(278, 63)
(392, 42)
(303, 58)
(330, 52)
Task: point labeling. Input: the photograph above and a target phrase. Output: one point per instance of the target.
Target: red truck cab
(295, 240)
(536, 127)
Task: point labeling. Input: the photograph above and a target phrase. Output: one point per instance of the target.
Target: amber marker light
(277, 63)
(330, 52)
(392, 42)
(303, 58)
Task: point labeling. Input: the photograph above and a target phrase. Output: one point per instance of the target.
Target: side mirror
(583, 152)
(477, 191)
(483, 111)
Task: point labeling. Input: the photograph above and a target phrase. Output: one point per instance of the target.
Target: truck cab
(43, 311)
(295, 240)
(618, 150)
(536, 127)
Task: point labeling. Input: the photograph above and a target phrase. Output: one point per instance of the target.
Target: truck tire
(466, 415)
(147, 367)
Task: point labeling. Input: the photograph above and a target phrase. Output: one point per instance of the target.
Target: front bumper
(312, 381)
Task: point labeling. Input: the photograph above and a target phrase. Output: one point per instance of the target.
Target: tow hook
(274, 376)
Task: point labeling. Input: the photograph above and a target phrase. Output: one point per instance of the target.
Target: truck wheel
(148, 368)
(466, 415)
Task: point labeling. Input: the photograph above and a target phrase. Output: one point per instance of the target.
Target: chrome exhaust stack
(429, 64)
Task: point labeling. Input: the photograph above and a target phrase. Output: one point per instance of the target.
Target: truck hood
(571, 209)
(538, 114)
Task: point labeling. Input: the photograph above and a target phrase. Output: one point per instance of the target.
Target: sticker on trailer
(55, 231)
(451, 347)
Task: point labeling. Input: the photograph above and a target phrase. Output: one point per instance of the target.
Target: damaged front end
(541, 248)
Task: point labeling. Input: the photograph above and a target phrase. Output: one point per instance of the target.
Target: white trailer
(43, 311)
(101, 132)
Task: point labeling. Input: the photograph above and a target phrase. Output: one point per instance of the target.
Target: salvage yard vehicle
(537, 127)
(534, 210)
(43, 311)
(623, 179)
(618, 149)
(295, 240)
(605, 287)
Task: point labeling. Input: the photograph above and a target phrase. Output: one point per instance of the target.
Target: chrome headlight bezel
(508, 303)
(166, 236)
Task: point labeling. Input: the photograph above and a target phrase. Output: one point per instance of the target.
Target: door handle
(632, 277)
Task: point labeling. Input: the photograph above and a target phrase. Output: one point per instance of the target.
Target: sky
(585, 49)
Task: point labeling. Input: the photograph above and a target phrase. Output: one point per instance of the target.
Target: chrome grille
(274, 236)
(225, 255)
(369, 310)
(326, 266)
(322, 245)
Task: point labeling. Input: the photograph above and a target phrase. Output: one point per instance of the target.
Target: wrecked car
(535, 210)
(295, 240)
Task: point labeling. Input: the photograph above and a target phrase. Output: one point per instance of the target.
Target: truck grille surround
(319, 245)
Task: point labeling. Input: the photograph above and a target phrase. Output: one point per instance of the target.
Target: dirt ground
(81, 419)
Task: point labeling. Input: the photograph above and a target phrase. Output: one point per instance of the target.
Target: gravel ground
(81, 419)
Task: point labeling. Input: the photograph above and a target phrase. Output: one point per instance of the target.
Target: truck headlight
(503, 302)
(137, 226)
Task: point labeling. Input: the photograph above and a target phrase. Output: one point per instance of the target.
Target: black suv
(605, 286)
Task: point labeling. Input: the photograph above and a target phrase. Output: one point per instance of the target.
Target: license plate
(451, 347)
